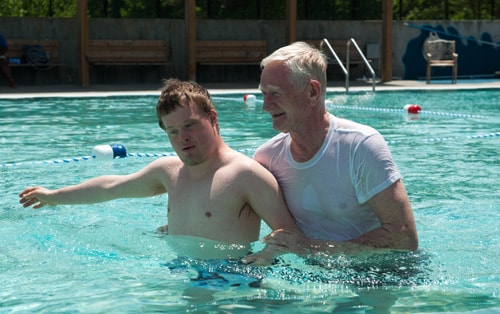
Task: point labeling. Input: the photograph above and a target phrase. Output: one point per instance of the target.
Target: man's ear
(160, 123)
(213, 116)
(314, 89)
(214, 119)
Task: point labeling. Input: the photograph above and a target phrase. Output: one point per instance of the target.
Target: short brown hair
(175, 93)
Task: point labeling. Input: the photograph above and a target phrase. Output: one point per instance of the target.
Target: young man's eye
(190, 125)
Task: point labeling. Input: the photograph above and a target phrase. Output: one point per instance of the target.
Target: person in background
(4, 62)
(213, 191)
(338, 177)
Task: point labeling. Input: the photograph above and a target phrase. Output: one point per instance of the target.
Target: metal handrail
(362, 57)
(346, 73)
(344, 69)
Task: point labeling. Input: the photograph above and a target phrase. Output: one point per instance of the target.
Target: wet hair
(176, 93)
(303, 61)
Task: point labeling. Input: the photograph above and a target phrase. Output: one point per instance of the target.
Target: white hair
(304, 62)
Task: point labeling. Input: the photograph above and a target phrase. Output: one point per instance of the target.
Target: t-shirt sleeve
(373, 168)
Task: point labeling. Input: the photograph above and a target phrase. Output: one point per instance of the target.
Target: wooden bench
(128, 52)
(230, 52)
(441, 53)
(16, 51)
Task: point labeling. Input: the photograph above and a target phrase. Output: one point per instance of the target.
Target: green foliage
(170, 9)
(446, 9)
(38, 8)
(12, 8)
(259, 9)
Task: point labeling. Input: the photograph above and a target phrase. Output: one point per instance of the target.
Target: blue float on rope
(112, 151)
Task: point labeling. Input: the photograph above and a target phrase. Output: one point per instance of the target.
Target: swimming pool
(107, 257)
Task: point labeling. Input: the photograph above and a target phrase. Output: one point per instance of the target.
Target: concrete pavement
(220, 88)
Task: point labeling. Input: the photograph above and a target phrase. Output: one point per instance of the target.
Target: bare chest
(213, 209)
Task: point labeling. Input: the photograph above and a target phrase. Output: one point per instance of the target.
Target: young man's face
(191, 132)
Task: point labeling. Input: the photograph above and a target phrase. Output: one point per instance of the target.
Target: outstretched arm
(146, 182)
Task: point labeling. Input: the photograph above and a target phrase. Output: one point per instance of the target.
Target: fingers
(287, 241)
(278, 237)
(257, 260)
(29, 198)
(265, 257)
(39, 205)
(35, 202)
(248, 260)
(27, 191)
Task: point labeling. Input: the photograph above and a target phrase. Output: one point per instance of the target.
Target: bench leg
(455, 71)
(428, 74)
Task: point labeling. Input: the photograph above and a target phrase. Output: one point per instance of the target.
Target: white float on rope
(249, 99)
(112, 151)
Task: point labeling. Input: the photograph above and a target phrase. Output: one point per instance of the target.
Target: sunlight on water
(108, 257)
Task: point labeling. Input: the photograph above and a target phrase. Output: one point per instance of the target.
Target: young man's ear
(161, 125)
(214, 119)
(213, 116)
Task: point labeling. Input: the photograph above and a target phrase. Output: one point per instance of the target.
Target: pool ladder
(345, 68)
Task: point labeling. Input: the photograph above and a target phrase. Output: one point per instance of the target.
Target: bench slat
(51, 47)
(230, 52)
(128, 52)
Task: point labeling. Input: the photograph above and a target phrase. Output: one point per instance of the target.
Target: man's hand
(280, 242)
(37, 197)
(265, 257)
(288, 241)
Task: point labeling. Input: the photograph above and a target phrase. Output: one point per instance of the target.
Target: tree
(260, 9)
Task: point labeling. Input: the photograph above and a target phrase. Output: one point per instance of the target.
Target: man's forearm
(95, 190)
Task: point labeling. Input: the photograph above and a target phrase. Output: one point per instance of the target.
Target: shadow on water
(375, 283)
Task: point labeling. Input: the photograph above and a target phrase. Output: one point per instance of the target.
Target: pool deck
(221, 88)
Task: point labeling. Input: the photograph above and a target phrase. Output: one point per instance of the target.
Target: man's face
(191, 132)
(284, 101)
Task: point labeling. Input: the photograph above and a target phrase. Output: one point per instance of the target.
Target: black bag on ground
(37, 57)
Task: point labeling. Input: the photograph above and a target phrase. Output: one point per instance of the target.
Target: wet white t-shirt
(328, 194)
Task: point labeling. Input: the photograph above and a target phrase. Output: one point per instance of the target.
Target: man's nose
(266, 103)
(184, 135)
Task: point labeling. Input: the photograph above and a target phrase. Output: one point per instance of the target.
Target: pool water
(107, 257)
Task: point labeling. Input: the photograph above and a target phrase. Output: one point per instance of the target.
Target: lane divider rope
(250, 99)
(422, 112)
(245, 150)
(445, 139)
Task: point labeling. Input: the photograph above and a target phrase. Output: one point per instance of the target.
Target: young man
(338, 177)
(213, 191)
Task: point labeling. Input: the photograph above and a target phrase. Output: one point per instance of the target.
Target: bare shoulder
(161, 173)
(244, 163)
(165, 164)
(248, 169)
